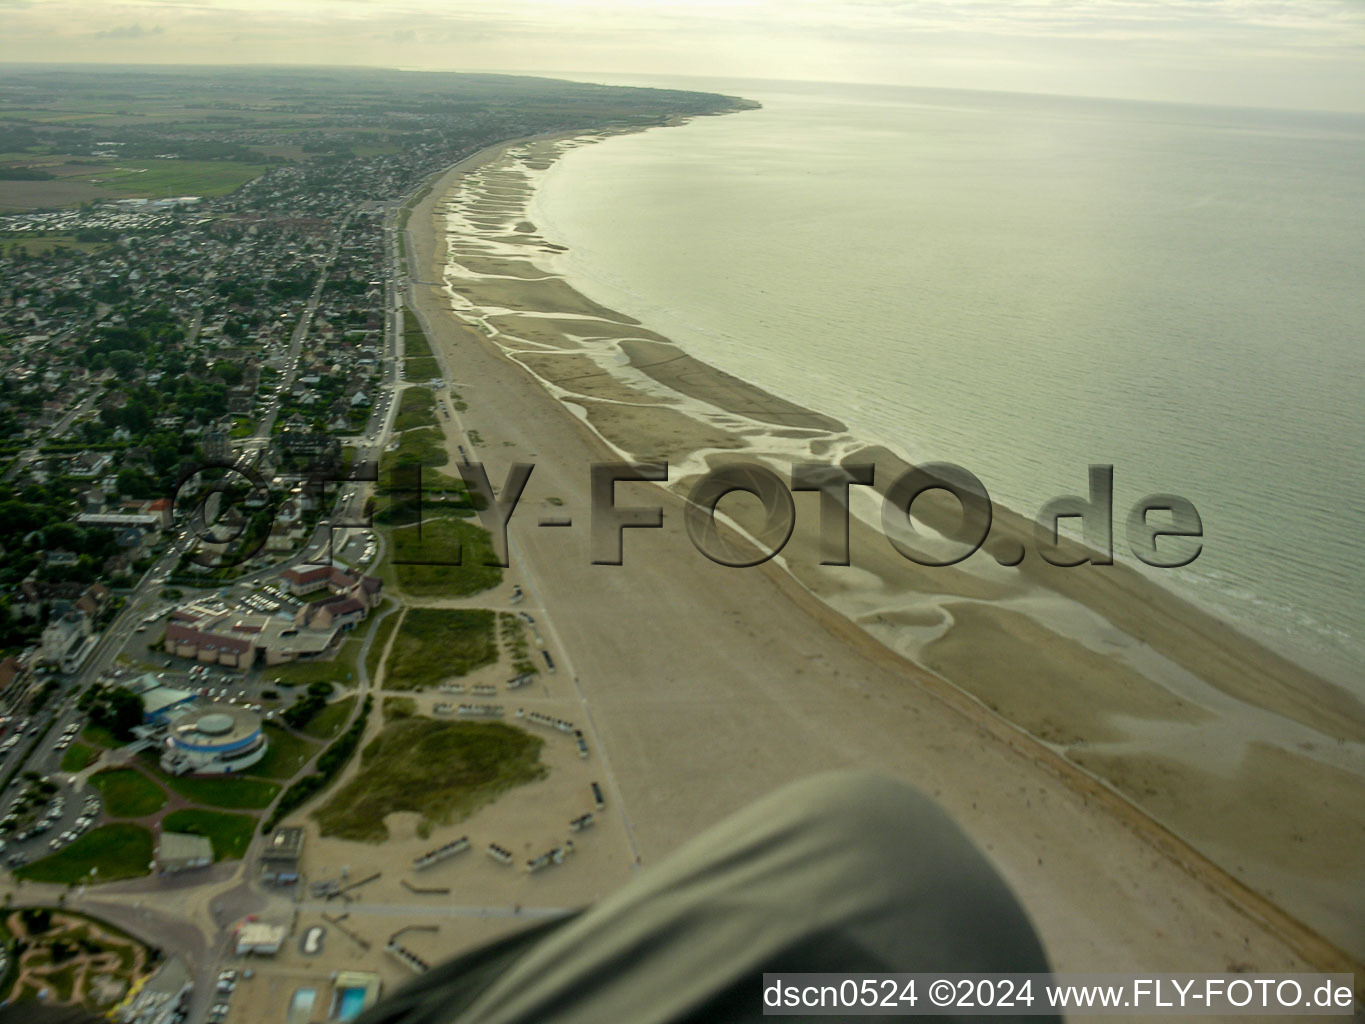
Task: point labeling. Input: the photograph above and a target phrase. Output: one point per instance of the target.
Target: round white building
(213, 740)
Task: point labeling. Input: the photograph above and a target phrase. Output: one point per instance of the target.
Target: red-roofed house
(161, 507)
(366, 589)
(210, 648)
(338, 612)
(306, 581)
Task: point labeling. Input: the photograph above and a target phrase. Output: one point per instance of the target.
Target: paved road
(305, 321)
(141, 906)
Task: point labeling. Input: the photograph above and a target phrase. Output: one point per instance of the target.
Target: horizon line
(556, 73)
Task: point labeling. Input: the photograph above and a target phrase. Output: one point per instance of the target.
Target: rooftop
(215, 724)
(181, 846)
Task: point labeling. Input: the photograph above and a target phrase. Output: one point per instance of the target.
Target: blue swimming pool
(350, 1003)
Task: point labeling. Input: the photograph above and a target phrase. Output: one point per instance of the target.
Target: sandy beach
(1161, 791)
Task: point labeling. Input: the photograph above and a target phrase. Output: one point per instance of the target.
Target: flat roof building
(158, 700)
(281, 856)
(261, 939)
(181, 851)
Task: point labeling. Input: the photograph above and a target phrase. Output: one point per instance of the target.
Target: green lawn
(421, 368)
(330, 720)
(425, 447)
(417, 408)
(230, 833)
(77, 757)
(340, 670)
(100, 736)
(286, 756)
(42, 246)
(233, 792)
(156, 179)
(428, 552)
(128, 793)
(414, 338)
(440, 643)
(441, 770)
(120, 850)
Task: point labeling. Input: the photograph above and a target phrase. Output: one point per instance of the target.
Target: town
(211, 389)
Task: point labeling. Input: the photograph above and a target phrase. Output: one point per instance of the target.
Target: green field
(425, 447)
(230, 833)
(340, 670)
(440, 643)
(229, 791)
(77, 757)
(330, 720)
(417, 408)
(157, 179)
(421, 368)
(441, 770)
(286, 755)
(442, 540)
(128, 793)
(39, 246)
(120, 850)
(99, 736)
(414, 338)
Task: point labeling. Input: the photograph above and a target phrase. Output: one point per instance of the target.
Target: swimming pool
(349, 1004)
(301, 1006)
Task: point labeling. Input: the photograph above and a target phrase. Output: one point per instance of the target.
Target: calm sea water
(1026, 285)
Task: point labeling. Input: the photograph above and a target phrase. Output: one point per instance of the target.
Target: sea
(1024, 286)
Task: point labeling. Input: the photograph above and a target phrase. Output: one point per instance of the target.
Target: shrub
(333, 759)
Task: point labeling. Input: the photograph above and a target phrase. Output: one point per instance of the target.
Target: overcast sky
(1284, 53)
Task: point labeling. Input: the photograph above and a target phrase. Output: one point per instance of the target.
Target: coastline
(1082, 638)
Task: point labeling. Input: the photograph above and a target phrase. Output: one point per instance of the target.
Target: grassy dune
(441, 770)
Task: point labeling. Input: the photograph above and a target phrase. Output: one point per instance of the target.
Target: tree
(137, 418)
(231, 373)
(117, 709)
(122, 361)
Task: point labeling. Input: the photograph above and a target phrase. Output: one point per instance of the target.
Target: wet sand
(1107, 742)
